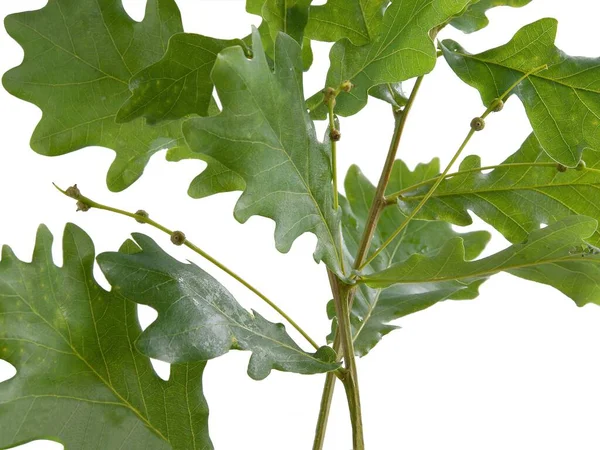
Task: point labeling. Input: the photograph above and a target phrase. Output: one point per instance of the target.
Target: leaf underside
(401, 48)
(562, 102)
(79, 378)
(517, 197)
(374, 309)
(558, 255)
(474, 18)
(198, 319)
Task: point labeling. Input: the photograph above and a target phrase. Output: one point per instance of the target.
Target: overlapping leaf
(557, 255)
(474, 18)
(179, 84)
(356, 20)
(562, 102)
(198, 319)
(401, 49)
(373, 309)
(283, 16)
(518, 196)
(79, 57)
(79, 379)
(265, 135)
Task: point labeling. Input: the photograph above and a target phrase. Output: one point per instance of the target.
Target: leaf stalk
(144, 218)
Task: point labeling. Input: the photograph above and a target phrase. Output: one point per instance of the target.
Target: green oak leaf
(474, 18)
(557, 255)
(283, 16)
(356, 20)
(198, 319)
(265, 135)
(516, 197)
(402, 48)
(79, 378)
(562, 102)
(373, 309)
(179, 84)
(79, 58)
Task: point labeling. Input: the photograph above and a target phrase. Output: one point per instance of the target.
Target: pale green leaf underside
(557, 255)
(401, 49)
(356, 20)
(264, 134)
(474, 18)
(198, 319)
(79, 379)
(562, 102)
(79, 57)
(374, 309)
(515, 198)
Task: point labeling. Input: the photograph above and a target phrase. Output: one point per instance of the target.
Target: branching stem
(444, 174)
(145, 219)
(374, 213)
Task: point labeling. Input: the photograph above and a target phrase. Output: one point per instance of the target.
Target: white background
(517, 369)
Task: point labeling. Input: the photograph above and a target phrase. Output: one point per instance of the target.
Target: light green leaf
(373, 309)
(265, 135)
(179, 84)
(516, 197)
(79, 379)
(198, 319)
(557, 255)
(356, 20)
(401, 49)
(562, 102)
(79, 57)
(474, 19)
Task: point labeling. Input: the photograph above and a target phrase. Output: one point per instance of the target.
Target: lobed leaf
(525, 191)
(374, 308)
(562, 102)
(356, 20)
(79, 57)
(179, 84)
(402, 48)
(198, 319)
(557, 255)
(283, 16)
(265, 135)
(79, 378)
(474, 18)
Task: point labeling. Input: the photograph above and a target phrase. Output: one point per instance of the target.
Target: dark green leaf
(179, 84)
(265, 135)
(474, 19)
(557, 255)
(390, 93)
(79, 379)
(373, 309)
(283, 16)
(562, 102)
(198, 319)
(357, 20)
(516, 197)
(401, 49)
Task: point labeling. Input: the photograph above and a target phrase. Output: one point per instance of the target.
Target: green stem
(444, 174)
(341, 294)
(324, 410)
(333, 129)
(199, 251)
(374, 213)
(393, 198)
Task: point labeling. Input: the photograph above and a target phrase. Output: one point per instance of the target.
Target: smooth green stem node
(179, 238)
